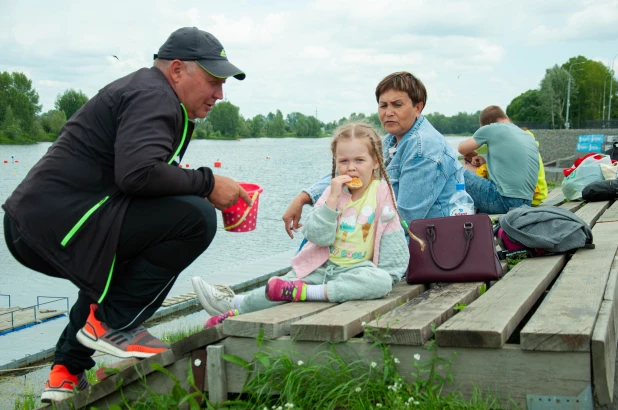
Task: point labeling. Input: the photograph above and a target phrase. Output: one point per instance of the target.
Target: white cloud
(307, 55)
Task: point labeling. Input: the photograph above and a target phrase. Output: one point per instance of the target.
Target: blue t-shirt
(512, 159)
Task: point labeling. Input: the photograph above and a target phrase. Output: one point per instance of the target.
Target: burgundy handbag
(457, 249)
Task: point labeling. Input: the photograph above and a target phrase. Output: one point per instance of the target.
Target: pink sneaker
(279, 290)
(216, 320)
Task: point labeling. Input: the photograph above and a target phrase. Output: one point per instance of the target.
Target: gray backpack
(541, 231)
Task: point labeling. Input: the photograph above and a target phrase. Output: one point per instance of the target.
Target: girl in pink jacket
(356, 246)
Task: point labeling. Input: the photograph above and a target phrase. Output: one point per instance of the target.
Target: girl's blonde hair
(364, 131)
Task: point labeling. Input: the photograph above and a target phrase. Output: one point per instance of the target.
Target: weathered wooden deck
(544, 336)
(21, 317)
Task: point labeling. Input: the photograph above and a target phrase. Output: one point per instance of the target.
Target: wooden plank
(344, 321)
(508, 373)
(565, 320)
(104, 372)
(197, 340)
(198, 369)
(176, 360)
(410, 324)
(592, 211)
(217, 379)
(610, 215)
(572, 205)
(490, 320)
(25, 316)
(611, 290)
(554, 198)
(603, 349)
(274, 321)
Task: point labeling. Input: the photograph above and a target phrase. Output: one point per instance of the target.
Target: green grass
(287, 380)
(171, 337)
(27, 401)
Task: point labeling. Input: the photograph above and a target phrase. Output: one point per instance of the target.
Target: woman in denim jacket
(421, 165)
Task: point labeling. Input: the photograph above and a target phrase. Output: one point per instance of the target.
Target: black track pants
(159, 238)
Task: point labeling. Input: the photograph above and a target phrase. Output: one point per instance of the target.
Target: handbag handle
(431, 237)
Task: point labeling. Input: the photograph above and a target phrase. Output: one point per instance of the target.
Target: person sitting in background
(540, 192)
(512, 161)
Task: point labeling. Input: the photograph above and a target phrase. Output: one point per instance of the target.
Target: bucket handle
(244, 216)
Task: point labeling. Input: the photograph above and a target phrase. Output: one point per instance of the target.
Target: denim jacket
(423, 170)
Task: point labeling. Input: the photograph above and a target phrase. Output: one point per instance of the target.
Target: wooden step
(565, 320)
(554, 197)
(572, 206)
(344, 321)
(274, 321)
(410, 324)
(490, 320)
(610, 215)
(603, 346)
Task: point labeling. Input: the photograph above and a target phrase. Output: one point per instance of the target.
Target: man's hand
(226, 193)
(291, 217)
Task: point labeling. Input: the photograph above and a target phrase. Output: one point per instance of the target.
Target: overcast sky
(325, 55)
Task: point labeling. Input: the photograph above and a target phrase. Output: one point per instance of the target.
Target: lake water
(294, 163)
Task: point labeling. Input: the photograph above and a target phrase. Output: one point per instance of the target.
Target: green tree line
(590, 93)
(21, 120)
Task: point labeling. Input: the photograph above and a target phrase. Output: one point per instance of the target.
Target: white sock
(238, 300)
(316, 292)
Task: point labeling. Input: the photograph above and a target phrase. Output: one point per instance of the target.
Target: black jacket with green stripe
(121, 144)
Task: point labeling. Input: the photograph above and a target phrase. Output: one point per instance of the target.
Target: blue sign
(590, 143)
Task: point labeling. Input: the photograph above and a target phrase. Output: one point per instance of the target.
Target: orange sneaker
(61, 384)
(121, 343)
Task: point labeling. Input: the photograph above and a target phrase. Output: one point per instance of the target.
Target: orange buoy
(179, 165)
(6, 161)
(217, 164)
(16, 161)
(186, 165)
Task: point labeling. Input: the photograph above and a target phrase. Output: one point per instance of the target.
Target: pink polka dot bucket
(241, 217)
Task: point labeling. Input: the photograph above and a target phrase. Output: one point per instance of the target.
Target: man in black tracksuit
(108, 208)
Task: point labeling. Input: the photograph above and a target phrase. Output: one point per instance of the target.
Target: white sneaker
(216, 300)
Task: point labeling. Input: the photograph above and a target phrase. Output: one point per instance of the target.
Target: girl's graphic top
(354, 241)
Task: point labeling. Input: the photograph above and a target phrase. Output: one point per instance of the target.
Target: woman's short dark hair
(406, 82)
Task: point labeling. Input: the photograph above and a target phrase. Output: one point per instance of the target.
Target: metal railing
(34, 307)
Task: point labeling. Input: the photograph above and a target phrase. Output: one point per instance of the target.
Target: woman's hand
(336, 188)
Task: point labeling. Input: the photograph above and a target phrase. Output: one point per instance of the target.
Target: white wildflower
(417, 357)
(357, 390)
(410, 399)
(289, 405)
(300, 362)
(364, 324)
(407, 404)
(397, 361)
(378, 405)
(374, 364)
(416, 403)
(279, 408)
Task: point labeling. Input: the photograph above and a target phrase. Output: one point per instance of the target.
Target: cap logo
(223, 53)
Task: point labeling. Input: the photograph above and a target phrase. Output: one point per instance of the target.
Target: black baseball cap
(192, 44)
